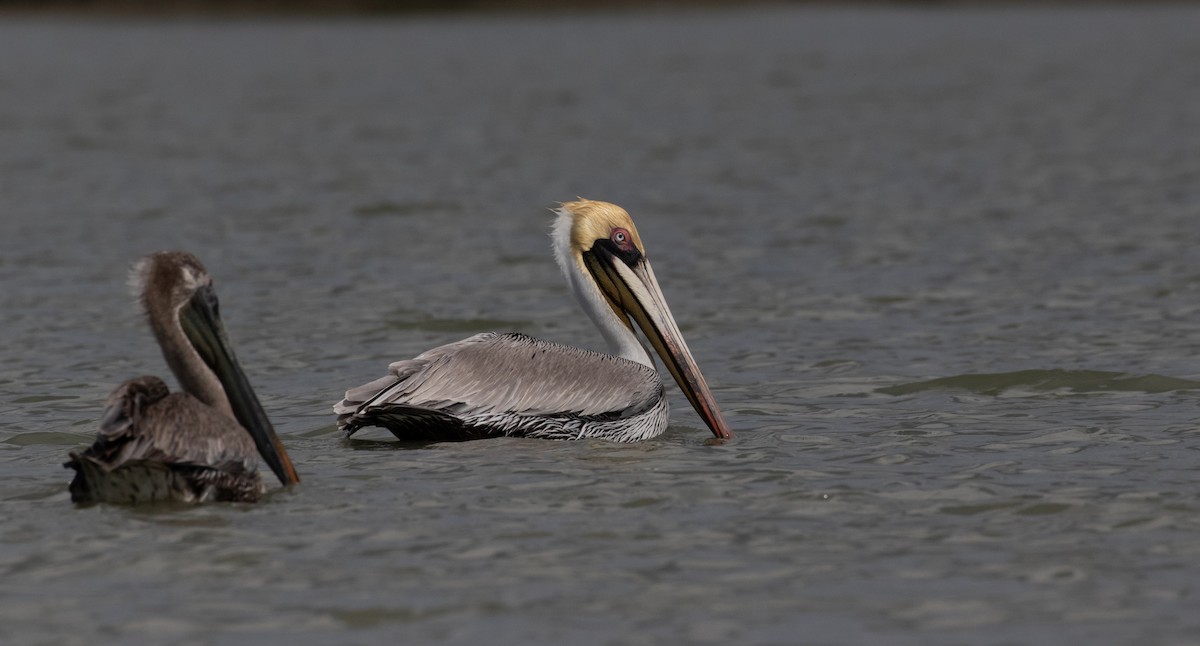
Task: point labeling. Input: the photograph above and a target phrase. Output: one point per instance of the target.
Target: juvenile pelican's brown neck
(195, 377)
(163, 300)
(621, 340)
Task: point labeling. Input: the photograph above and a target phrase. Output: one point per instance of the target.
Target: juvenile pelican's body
(511, 384)
(194, 446)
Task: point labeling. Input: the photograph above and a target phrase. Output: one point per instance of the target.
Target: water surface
(939, 266)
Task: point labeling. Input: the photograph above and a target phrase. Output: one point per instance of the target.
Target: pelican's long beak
(631, 288)
(202, 325)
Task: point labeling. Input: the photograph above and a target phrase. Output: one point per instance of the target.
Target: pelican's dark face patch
(620, 244)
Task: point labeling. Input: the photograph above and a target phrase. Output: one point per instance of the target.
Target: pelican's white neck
(621, 340)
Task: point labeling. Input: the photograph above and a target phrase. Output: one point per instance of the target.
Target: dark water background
(940, 267)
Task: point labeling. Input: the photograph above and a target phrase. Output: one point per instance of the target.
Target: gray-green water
(940, 267)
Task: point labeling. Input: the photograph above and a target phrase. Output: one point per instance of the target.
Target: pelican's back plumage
(156, 446)
(510, 384)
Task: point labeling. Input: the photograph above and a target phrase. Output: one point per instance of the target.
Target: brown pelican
(193, 446)
(511, 384)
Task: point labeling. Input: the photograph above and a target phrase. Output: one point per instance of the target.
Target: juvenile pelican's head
(600, 251)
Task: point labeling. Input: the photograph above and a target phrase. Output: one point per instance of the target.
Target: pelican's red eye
(620, 237)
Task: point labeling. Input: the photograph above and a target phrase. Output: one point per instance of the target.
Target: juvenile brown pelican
(194, 446)
(511, 384)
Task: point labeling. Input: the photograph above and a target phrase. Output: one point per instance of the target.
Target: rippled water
(939, 265)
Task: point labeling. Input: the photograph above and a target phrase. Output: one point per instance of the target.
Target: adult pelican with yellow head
(494, 384)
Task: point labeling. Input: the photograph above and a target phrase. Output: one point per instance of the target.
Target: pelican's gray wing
(491, 375)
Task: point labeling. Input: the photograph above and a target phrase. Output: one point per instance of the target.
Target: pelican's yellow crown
(592, 221)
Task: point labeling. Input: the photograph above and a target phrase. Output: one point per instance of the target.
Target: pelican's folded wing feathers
(511, 374)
